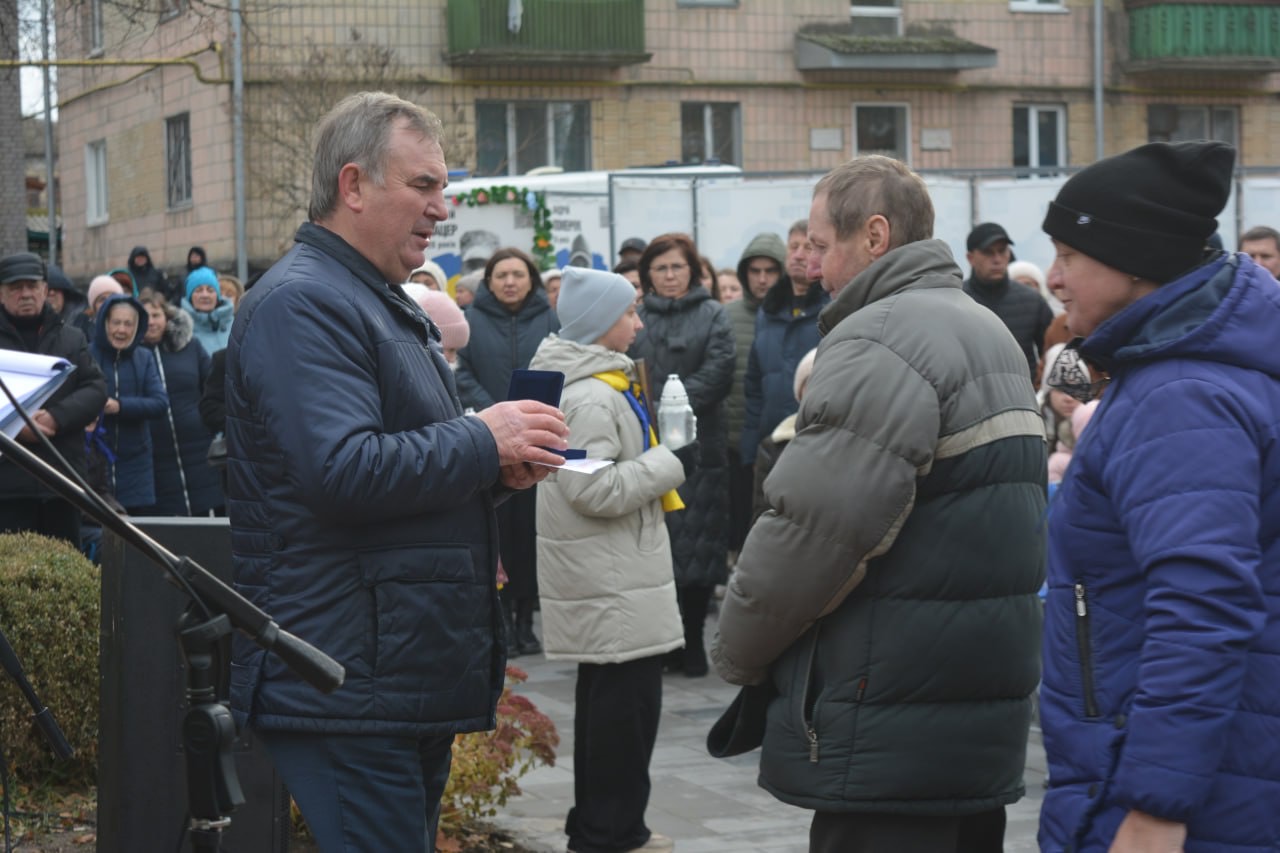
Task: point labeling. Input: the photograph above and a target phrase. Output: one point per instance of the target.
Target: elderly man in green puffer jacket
(884, 607)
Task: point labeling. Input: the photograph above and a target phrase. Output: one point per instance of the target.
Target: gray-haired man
(361, 500)
(886, 602)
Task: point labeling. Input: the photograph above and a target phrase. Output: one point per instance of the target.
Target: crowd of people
(880, 439)
(128, 420)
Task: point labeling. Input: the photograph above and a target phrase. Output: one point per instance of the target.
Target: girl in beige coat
(605, 577)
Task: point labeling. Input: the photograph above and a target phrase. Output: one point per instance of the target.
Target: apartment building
(769, 85)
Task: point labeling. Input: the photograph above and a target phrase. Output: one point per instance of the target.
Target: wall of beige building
(743, 54)
(126, 106)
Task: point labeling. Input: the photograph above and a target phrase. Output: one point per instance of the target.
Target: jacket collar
(663, 305)
(328, 242)
(915, 266)
(341, 251)
(779, 298)
(986, 289)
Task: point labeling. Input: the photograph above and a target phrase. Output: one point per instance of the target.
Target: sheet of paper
(30, 378)
(582, 466)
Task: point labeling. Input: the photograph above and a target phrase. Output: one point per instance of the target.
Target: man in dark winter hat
(1023, 310)
(29, 324)
(631, 249)
(63, 295)
(1161, 693)
(146, 275)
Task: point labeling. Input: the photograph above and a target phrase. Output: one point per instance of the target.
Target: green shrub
(49, 597)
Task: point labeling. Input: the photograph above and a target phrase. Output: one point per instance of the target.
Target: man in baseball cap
(631, 249)
(1023, 310)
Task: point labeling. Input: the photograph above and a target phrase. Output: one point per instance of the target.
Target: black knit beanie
(1147, 212)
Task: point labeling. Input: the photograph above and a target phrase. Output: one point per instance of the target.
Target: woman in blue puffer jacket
(1161, 697)
(134, 397)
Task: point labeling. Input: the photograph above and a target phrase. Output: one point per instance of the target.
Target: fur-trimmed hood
(178, 332)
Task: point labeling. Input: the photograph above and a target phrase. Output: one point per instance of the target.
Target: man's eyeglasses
(669, 269)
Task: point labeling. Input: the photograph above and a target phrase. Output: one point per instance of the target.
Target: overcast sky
(33, 91)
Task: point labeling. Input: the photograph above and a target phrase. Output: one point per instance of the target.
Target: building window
(170, 9)
(882, 129)
(1178, 123)
(514, 137)
(1039, 138)
(95, 181)
(876, 18)
(95, 26)
(710, 133)
(177, 158)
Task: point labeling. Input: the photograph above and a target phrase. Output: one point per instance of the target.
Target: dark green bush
(49, 603)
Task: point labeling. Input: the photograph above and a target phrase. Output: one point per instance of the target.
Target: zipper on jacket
(115, 438)
(807, 715)
(1086, 652)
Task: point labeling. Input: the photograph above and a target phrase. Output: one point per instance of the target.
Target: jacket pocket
(1084, 648)
(430, 616)
(809, 698)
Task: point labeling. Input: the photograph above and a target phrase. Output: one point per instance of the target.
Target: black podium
(142, 794)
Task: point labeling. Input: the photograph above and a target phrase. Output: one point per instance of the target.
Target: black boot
(673, 661)
(526, 641)
(695, 662)
(509, 623)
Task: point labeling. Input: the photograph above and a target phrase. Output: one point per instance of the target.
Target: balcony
(1240, 37)
(547, 32)
(840, 47)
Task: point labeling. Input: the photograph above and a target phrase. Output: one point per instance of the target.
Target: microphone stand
(208, 730)
(43, 716)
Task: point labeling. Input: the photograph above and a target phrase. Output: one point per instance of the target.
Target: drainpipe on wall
(1099, 146)
(50, 186)
(237, 139)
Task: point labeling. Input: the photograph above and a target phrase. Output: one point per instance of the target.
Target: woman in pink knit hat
(100, 288)
(445, 313)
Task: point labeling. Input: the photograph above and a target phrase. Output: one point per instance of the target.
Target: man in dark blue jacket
(361, 500)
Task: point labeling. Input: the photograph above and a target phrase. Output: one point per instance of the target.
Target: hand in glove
(689, 457)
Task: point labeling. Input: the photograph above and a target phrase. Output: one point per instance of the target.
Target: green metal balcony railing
(593, 32)
(1205, 34)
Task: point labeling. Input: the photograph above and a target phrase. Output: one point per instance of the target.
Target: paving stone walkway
(707, 805)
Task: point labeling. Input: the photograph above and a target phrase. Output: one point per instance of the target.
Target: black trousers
(518, 544)
(847, 832)
(615, 724)
(52, 517)
(741, 485)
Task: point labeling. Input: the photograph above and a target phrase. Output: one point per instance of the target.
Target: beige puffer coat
(604, 558)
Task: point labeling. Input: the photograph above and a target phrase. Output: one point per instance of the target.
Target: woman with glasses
(687, 333)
